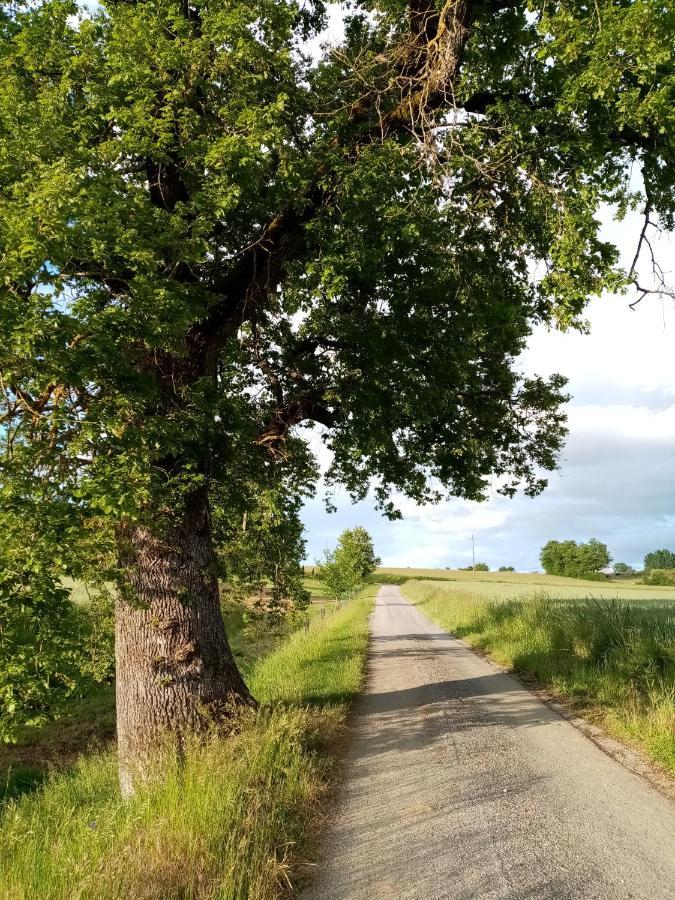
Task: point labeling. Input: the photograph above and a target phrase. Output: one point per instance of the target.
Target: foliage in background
(51, 649)
(659, 576)
(232, 824)
(259, 535)
(357, 545)
(622, 568)
(574, 560)
(609, 657)
(344, 569)
(506, 569)
(660, 559)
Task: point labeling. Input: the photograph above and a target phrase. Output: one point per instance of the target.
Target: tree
(506, 569)
(345, 568)
(660, 559)
(209, 238)
(574, 560)
(621, 568)
(357, 545)
(481, 567)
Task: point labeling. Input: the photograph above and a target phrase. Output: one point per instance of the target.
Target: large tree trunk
(176, 675)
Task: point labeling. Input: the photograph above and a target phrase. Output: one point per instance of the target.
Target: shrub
(51, 649)
(506, 569)
(659, 577)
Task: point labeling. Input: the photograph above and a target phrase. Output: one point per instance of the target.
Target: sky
(616, 480)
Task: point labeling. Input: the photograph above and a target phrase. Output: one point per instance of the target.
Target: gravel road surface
(460, 783)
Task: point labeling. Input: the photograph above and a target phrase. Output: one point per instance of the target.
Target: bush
(51, 649)
(506, 569)
(659, 577)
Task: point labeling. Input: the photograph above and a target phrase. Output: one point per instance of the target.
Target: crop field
(511, 585)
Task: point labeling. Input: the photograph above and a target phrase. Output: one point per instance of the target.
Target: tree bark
(176, 674)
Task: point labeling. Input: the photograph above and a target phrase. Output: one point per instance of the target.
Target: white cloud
(638, 422)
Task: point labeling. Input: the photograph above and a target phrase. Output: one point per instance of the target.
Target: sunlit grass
(612, 659)
(233, 822)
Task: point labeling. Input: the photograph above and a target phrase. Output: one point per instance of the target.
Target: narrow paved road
(460, 783)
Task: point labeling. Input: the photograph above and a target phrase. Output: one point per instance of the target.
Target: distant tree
(506, 569)
(358, 545)
(344, 568)
(660, 559)
(574, 560)
(481, 567)
(621, 568)
(338, 574)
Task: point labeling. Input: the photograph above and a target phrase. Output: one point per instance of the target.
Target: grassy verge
(89, 723)
(613, 661)
(232, 823)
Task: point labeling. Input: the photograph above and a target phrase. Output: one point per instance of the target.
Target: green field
(608, 650)
(506, 585)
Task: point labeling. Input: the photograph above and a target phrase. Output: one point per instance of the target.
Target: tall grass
(613, 660)
(232, 823)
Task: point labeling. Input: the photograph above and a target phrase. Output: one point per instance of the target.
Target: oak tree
(209, 237)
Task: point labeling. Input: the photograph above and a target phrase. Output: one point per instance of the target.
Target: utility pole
(473, 554)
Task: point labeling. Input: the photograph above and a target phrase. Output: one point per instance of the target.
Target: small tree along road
(209, 238)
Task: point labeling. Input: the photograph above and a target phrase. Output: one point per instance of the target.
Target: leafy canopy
(660, 559)
(574, 560)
